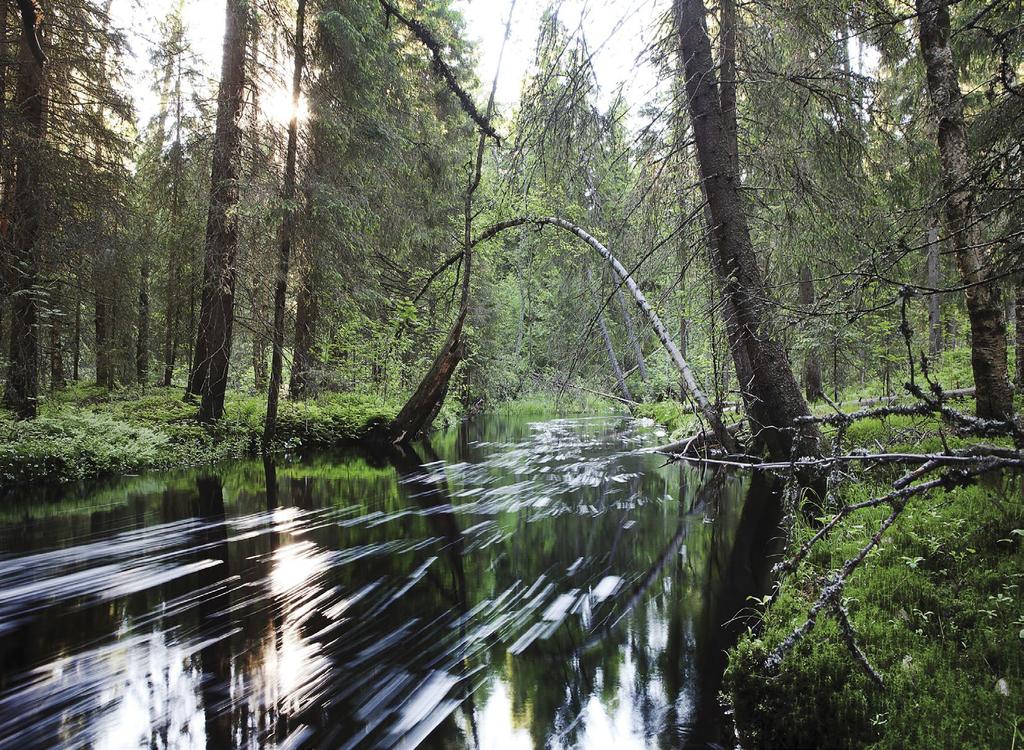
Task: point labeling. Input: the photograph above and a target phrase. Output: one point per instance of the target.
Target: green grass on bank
(86, 431)
(939, 611)
(545, 404)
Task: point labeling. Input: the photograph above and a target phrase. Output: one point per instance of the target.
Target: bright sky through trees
(619, 32)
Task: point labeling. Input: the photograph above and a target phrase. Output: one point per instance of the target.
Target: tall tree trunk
(142, 342)
(285, 246)
(934, 281)
(22, 390)
(775, 401)
(57, 380)
(307, 317)
(727, 53)
(1019, 373)
(103, 307)
(209, 376)
(172, 310)
(76, 345)
(631, 334)
(609, 347)
(812, 358)
(984, 299)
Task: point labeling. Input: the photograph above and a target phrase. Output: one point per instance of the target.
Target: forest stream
(510, 584)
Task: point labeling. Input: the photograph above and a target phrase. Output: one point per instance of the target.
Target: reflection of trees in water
(663, 626)
(214, 612)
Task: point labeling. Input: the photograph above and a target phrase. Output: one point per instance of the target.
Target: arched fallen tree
(428, 397)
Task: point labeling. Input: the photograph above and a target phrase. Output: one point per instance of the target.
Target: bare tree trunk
(812, 359)
(142, 343)
(209, 376)
(1019, 374)
(984, 299)
(934, 281)
(57, 380)
(307, 318)
(103, 308)
(22, 391)
(284, 249)
(603, 327)
(631, 335)
(774, 401)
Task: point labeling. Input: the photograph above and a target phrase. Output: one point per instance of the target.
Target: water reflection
(512, 584)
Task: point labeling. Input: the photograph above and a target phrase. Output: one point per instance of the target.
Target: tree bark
(209, 376)
(984, 299)
(609, 347)
(142, 343)
(774, 401)
(172, 316)
(284, 249)
(22, 391)
(57, 380)
(812, 360)
(934, 281)
(1019, 373)
(103, 313)
(307, 317)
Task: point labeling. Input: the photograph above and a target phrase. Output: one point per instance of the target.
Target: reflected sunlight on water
(513, 584)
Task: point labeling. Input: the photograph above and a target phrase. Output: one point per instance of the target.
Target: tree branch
(431, 42)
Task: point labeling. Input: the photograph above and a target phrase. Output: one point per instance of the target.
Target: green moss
(939, 612)
(88, 432)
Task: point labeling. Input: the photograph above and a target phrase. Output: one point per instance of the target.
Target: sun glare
(277, 106)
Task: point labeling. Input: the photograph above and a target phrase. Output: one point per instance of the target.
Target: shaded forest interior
(810, 219)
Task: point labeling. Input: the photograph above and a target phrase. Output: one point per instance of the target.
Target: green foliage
(938, 611)
(87, 432)
(672, 415)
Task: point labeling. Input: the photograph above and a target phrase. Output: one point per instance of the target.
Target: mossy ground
(939, 611)
(86, 431)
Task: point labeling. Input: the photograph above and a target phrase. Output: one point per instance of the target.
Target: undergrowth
(87, 432)
(938, 610)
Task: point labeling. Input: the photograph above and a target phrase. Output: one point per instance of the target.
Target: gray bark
(984, 299)
(603, 327)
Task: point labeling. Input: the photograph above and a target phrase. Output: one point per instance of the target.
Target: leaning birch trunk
(631, 335)
(704, 406)
(614, 360)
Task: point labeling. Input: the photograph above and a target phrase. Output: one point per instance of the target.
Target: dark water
(512, 585)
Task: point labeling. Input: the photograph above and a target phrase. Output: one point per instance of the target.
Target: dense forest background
(800, 250)
(839, 171)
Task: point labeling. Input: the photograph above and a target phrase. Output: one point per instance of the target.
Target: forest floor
(938, 610)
